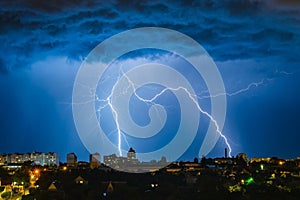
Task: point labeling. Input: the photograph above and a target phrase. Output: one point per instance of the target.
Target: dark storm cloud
(229, 30)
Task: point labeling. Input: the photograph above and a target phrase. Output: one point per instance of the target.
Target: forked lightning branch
(88, 115)
(192, 97)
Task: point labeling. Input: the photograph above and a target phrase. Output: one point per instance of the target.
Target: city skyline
(54, 158)
(254, 44)
(235, 178)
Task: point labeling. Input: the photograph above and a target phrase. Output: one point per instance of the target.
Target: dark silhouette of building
(95, 160)
(71, 159)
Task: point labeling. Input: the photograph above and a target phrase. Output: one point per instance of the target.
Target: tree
(21, 177)
(6, 195)
(3, 173)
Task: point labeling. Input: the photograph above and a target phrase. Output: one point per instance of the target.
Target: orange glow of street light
(281, 162)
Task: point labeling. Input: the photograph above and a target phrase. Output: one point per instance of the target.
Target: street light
(261, 166)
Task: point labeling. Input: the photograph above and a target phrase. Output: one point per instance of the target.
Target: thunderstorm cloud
(252, 41)
(228, 30)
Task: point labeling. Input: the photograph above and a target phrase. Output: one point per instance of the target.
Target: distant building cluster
(113, 160)
(94, 161)
(38, 158)
(128, 163)
(131, 163)
(231, 177)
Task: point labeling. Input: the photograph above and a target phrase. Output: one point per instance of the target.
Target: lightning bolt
(109, 103)
(193, 98)
(251, 85)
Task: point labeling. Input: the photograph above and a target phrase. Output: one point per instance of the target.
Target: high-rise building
(110, 160)
(95, 160)
(26, 157)
(51, 159)
(131, 156)
(15, 158)
(226, 153)
(37, 158)
(163, 160)
(71, 159)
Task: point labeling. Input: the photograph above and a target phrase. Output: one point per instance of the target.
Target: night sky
(255, 45)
